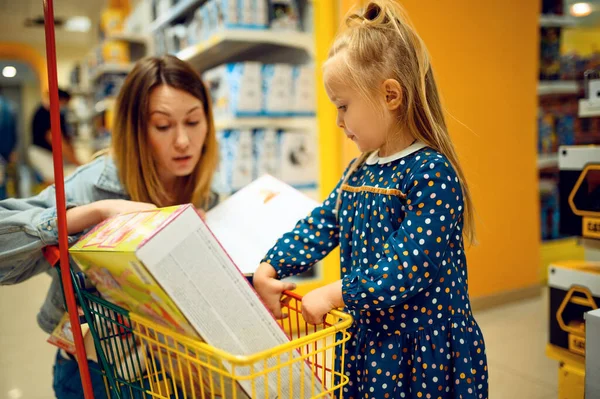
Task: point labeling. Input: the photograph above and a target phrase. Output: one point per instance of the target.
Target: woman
(164, 152)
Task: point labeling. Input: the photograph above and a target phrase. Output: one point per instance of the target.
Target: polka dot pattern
(404, 279)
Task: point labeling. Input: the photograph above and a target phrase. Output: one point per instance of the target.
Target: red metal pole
(61, 207)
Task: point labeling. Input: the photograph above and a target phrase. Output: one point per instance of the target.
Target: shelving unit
(178, 10)
(547, 161)
(128, 37)
(288, 123)
(109, 68)
(236, 44)
(552, 87)
(556, 21)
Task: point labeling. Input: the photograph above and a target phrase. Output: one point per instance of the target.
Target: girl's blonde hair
(381, 43)
(130, 145)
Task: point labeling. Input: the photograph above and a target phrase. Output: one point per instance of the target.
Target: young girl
(399, 214)
(164, 152)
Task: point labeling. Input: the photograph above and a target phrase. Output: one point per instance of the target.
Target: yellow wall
(583, 41)
(485, 57)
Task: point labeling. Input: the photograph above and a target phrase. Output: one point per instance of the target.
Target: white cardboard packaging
(235, 90)
(277, 89)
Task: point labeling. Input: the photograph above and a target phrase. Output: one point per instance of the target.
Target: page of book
(250, 222)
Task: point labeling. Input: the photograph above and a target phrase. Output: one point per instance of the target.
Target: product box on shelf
(109, 85)
(235, 89)
(236, 160)
(163, 7)
(303, 90)
(574, 290)
(114, 52)
(277, 89)
(226, 14)
(298, 158)
(261, 8)
(111, 22)
(266, 152)
(253, 13)
(284, 15)
(176, 38)
(550, 54)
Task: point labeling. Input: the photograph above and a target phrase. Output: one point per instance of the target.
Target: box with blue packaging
(236, 161)
(277, 89)
(235, 89)
(303, 90)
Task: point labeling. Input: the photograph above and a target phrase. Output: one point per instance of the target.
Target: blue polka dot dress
(399, 228)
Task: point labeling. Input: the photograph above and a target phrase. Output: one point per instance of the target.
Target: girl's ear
(393, 94)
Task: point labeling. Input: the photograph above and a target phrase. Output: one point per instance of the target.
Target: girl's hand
(317, 303)
(270, 289)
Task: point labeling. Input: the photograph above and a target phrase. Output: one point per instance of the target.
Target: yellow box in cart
(167, 266)
(107, 255)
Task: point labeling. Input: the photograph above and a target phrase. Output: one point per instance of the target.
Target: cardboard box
(574, 290)
(277, 89)
(303, 90)
(235, 89)
(298, 159)
(266, 152)
(236, 165)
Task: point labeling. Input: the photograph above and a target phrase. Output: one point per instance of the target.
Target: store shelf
(589, 108)
(556, 21)
(104, 105)
(109, 68)
(557, 87)
(178, 10)
(291, 123)
(546, 161)
(224, 46)
(78, 91)
(128, 37)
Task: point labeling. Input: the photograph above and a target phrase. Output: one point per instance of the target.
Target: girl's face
(176, 130)
(363, 121)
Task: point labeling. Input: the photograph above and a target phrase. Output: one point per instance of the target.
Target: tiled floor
(515, 337)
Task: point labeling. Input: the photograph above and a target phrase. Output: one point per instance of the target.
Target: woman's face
(176, 130)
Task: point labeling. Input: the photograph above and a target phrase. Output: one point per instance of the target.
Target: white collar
(375, 159)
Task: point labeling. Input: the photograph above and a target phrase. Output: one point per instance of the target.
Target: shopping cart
(141, 359)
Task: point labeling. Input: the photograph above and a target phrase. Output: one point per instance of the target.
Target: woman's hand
(86, 216)
(270, 289)
(317, 303)
(111, 208)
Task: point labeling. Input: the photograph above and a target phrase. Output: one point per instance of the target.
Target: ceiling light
(581, 9)
(78, 24)
(9, 71)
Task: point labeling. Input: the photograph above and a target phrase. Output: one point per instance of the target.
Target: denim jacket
(28, 225)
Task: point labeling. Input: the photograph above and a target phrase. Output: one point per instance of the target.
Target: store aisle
(25, 358)
(516, 336)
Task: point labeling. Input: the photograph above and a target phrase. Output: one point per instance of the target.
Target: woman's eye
(162, 128)
(342, 107)
(193, 123)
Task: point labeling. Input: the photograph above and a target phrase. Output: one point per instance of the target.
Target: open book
(249, 222)
(168, 266)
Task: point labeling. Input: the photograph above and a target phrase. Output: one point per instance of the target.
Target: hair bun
(376, 13)
(372, 12)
